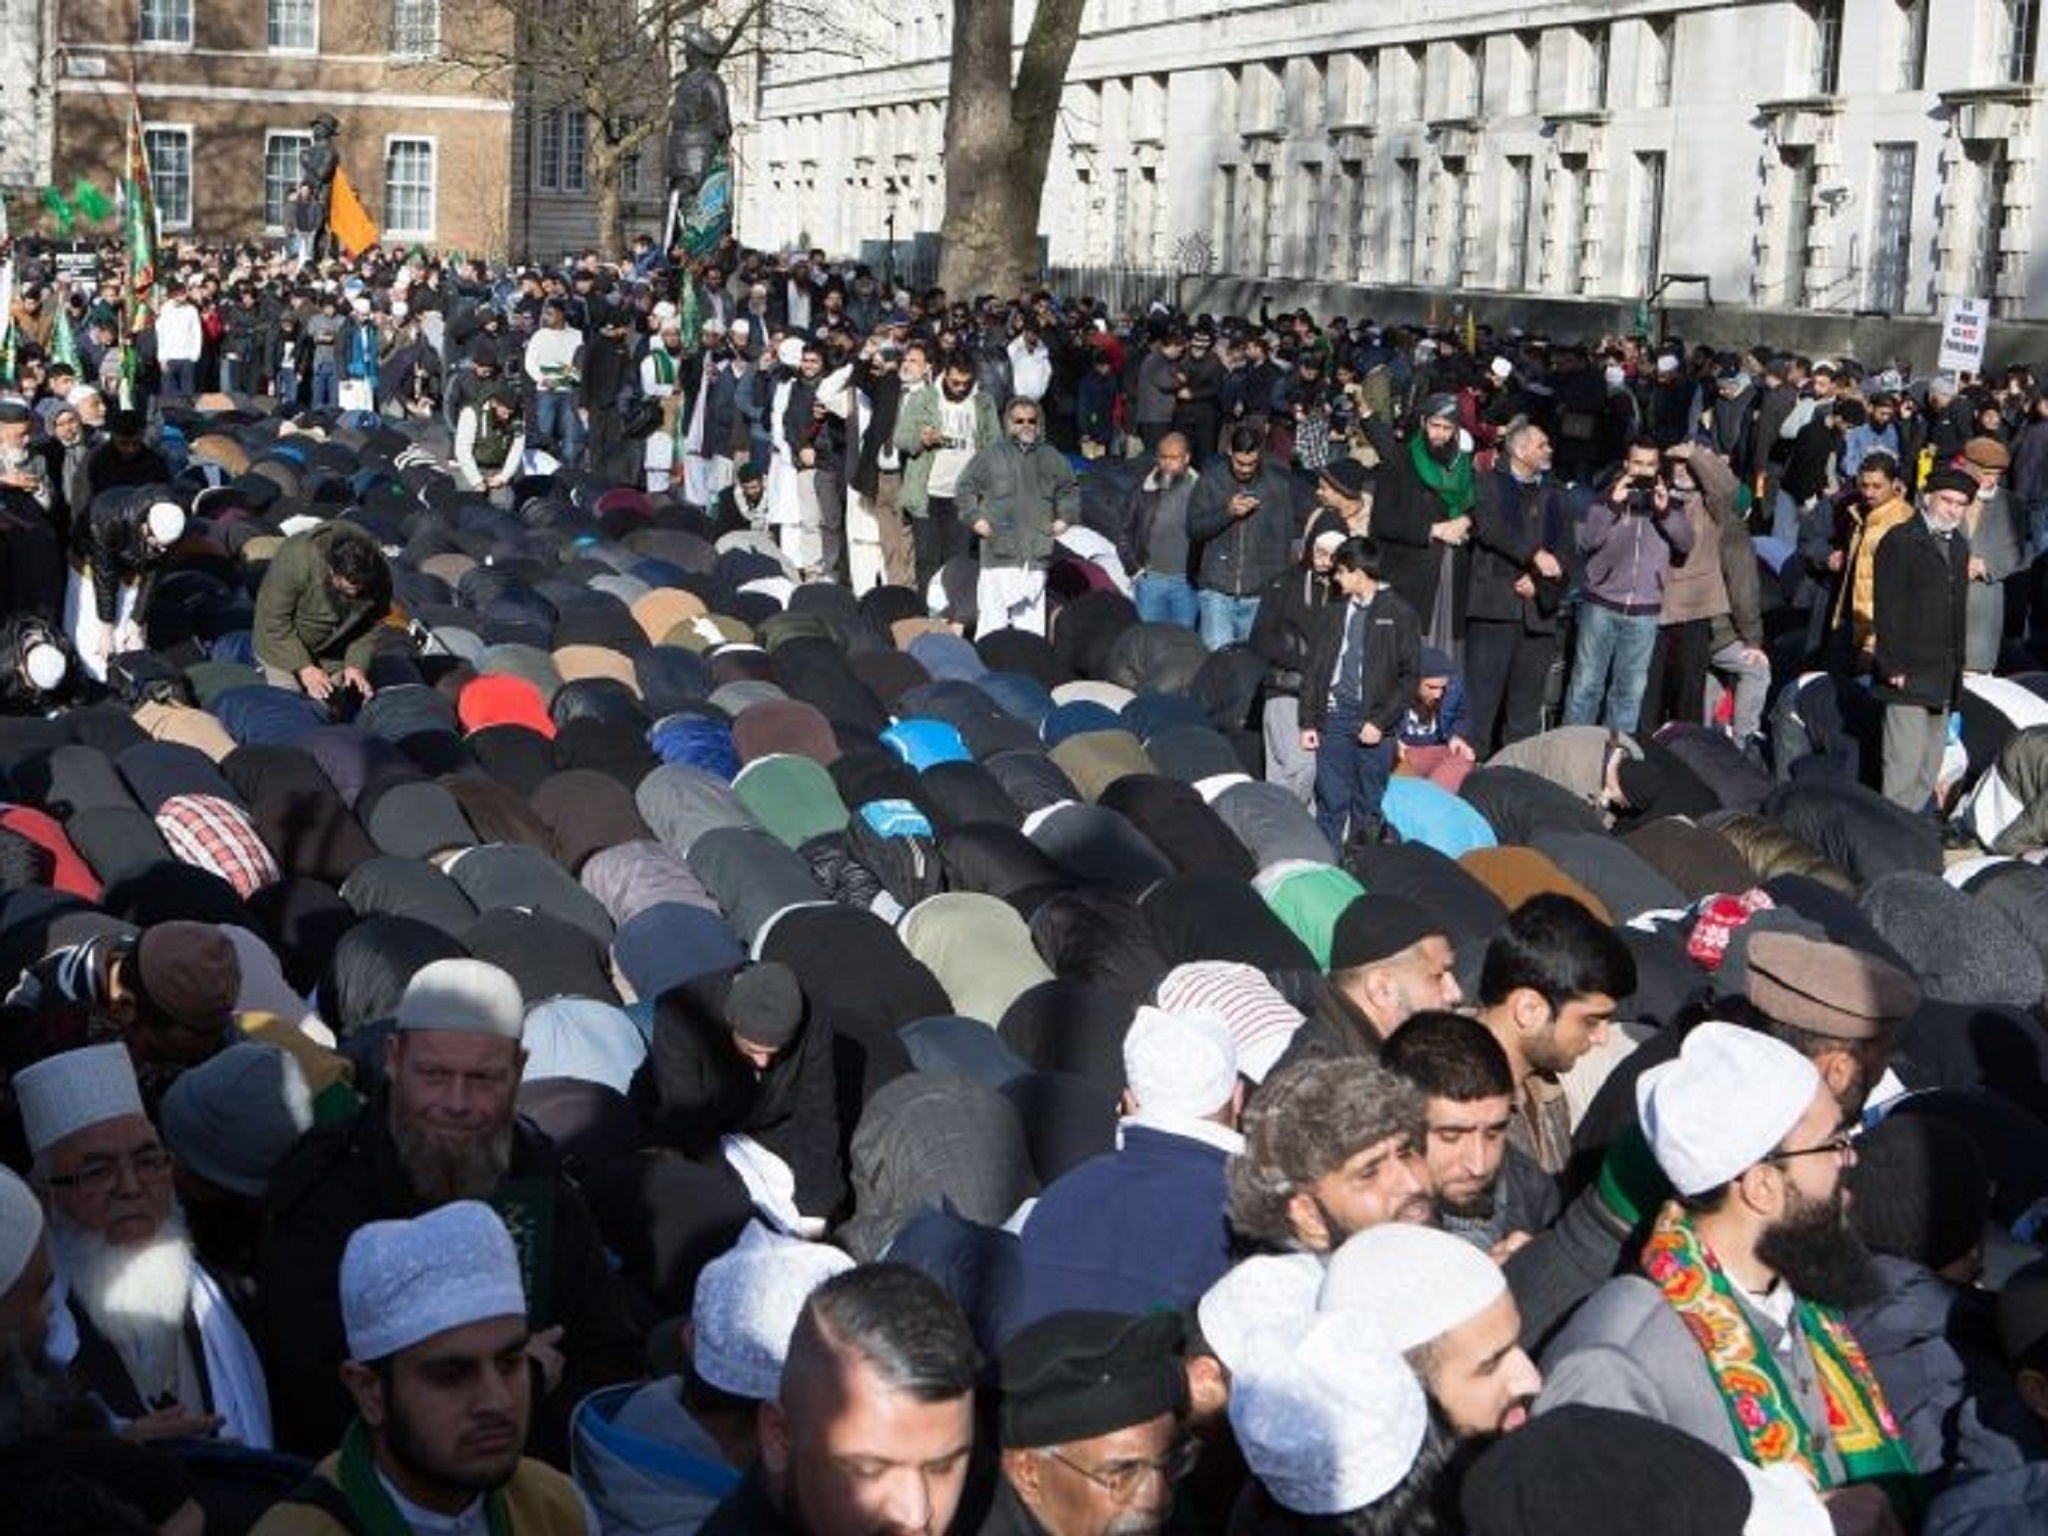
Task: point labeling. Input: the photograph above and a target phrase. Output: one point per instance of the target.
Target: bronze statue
(318, 162)
(699, 116)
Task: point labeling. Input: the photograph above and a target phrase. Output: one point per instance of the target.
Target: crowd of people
(655, 897)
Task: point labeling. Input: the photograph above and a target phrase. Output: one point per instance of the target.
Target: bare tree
(615, 61)
(999, 138)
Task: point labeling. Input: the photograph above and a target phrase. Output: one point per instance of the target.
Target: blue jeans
(181, 377)
(325, 388)
(1351, 779)
(1784, 518)
(1165, 600)
(1226, 620)
(1612, 660)
(558, 426)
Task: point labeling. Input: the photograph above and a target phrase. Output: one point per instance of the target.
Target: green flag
(63, 345)
(91, 201)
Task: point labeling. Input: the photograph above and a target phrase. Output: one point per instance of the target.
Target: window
(1351, 243)
(629, 168)
(409, 188)
(1649, 219)
(2022, 35)
(1515, 223)
(1799, 176)
(280, 175)
(1356, 81)
(559, 150)
(1891, 246)
(1317, 258)
(167, 21)
(1569, 196)
(1660, 36)
(1469, 97)
(416, 28)
(294, 25)
(1987, 260)
(1595, 41)
(1272, 229)
(1401, 236)
(170, 174)
(1911, 69)
(1528, 52)
(1824, 56)
(1226, 219)
(1453, 185)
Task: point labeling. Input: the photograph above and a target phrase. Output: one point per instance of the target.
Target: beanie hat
(232, 1118)
(1918, 1190)
(189, 973)
(1377, 927)
(765, 1005)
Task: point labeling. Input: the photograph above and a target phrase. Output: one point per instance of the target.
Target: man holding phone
(1246, 524)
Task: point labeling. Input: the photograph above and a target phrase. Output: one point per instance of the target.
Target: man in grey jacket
(1246, 524)
(1017, 496)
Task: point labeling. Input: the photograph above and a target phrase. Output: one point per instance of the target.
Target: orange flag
(352, 226)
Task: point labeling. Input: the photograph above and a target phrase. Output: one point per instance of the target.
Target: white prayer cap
(1263, 1291)
(21, 1228)
(1725, 1102)
(405, 1281)
(78, 394)
(1417, 1283)
(166, 522)
(740, 327)
(466, 997)
(1179, 1063)
(1329, 1417)
(790, 352)
(1666, 363)
(746, 1308)
(1500, 367)
(46, 666)
(360, 304)
(64, 1094)
(664, 310)
(1261, 1022)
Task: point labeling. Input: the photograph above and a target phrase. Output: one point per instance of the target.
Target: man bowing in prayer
(443, 1390)
(145, 1328)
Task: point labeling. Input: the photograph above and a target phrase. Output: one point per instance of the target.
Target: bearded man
(1733, 1331)
(1422, 513)
(139, 1320)
(442, 1129)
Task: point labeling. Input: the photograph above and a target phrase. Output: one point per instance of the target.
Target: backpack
(892, 838)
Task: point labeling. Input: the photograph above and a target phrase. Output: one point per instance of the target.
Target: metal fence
(1123, 289)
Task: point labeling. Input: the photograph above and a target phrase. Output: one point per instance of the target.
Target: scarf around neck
(1452, 482)
(374, 1507)
(1762, 1408)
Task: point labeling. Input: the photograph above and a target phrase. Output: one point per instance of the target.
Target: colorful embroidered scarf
(1452, 482)
(1761, 1406)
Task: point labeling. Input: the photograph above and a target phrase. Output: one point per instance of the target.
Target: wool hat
(1986, 453)
(1603, 1472)
(1260, 1020)
(1329, 1417)
(465, 997)
(232, 1118)
(1827, 989)
(1949, 478)
(21, 1228)
(1263, 1291)
(68, 1092)
(1440, 408)
(1918, 1190)
(765, 1005)
(1722, 1104)
(1436, 662)
(1076, 1375)
(746, 1307)
(1377, 927)
(403, 1282)
(1416, 1283)
(1179, 1064)
(1640, 781)
(2023, 1311)
(190, 973)
(166, 521)
(1347, 475)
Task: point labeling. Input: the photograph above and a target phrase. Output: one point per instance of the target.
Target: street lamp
(891, 189)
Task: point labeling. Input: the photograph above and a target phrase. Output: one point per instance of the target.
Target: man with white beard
(443, 1129)
(142, 1324)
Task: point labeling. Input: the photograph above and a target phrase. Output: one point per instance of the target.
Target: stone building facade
(1820, 156)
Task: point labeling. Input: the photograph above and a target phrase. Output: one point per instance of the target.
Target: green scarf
(1452, 482)
(372, 1502)
(1762, 1408)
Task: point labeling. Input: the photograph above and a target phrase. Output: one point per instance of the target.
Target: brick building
(228, 87)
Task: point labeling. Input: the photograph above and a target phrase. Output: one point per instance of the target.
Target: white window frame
(165, 223)
(399, 43)
(433, 143)
(270, 9)
(182, 10)
(547, 151)
(299, 138)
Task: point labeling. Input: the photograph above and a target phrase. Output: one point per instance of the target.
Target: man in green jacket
(323, 600)
(940, 426)
(1017, 496)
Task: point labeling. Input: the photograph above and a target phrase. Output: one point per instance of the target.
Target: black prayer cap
(1075, 1375)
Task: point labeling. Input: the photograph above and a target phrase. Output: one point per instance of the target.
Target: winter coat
(302, 622)
(647, 1467)
(1241, 555)
(1511, 521)
(1393, 660)
(1135, 547)
(1922, 601)
(1021, 492)
(1136, 1229)
(110, 539)
(1285, 625)
(1404, 510)
(920, 409)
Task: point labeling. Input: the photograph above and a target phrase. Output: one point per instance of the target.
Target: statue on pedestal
(699, 140)
(318, 162)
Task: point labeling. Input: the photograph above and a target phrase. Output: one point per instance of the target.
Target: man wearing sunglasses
(1017, 496)
(144, 1327)
(1732, 1327)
